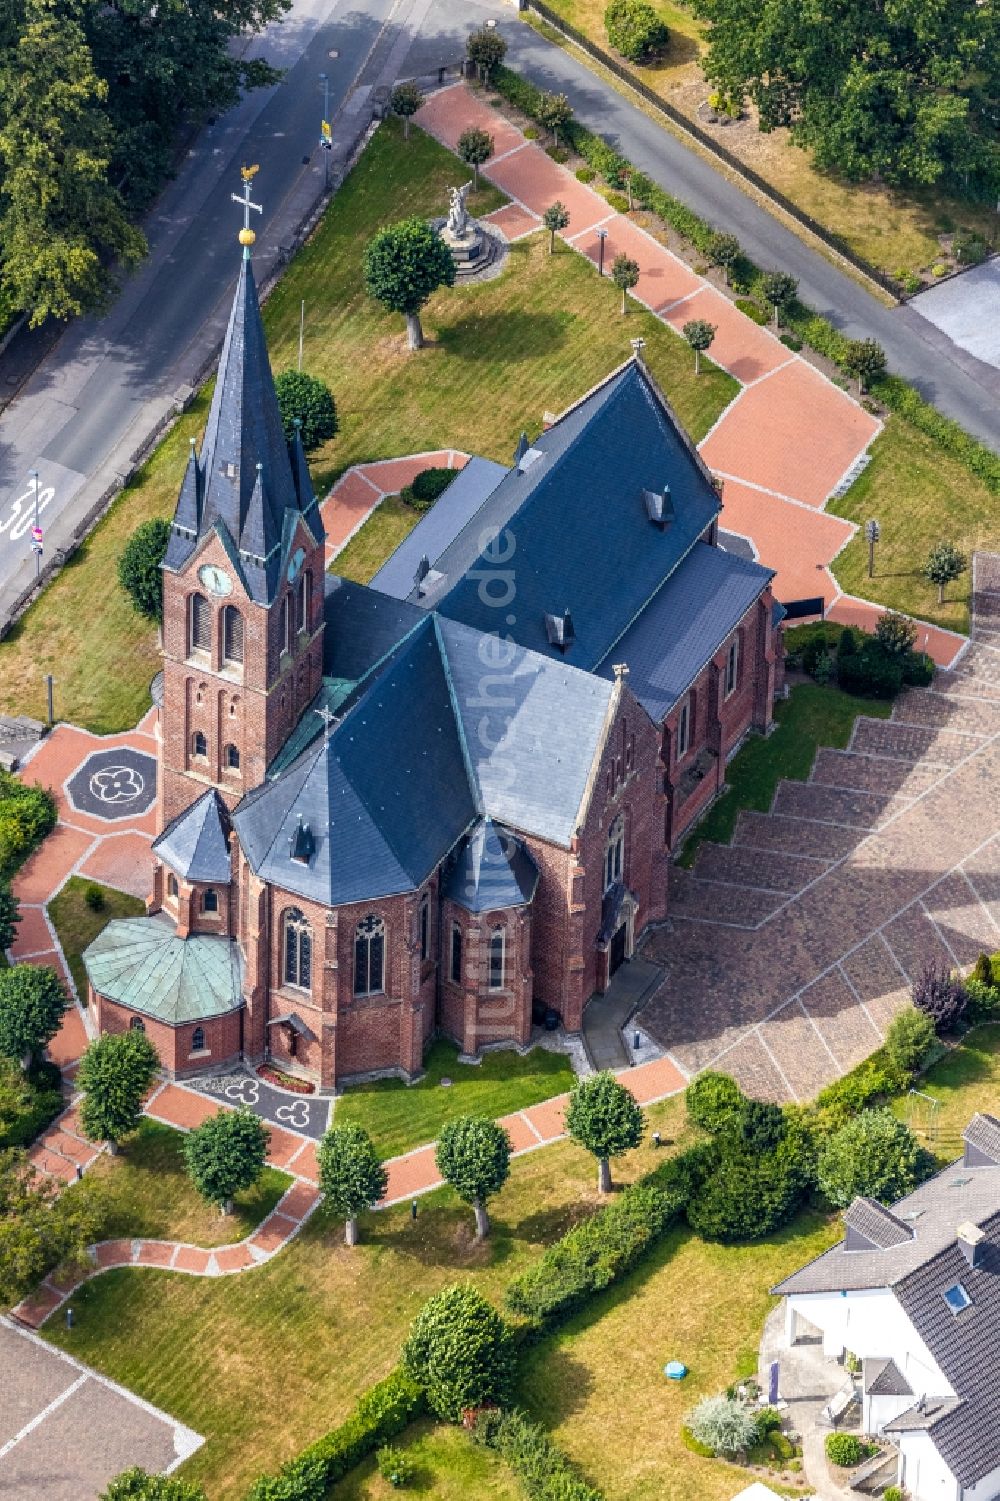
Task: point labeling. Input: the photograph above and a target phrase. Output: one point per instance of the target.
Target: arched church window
(199, 745)
(201, 623)
(198, 1040)
(298, 950)
(305, 599)
(232, 634)
(614, 853)
(285, 629)
(497, 943)
(233, 757)
(171, 885)
(369, 956)
(137, 1024)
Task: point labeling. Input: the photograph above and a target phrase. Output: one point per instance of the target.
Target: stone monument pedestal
(475, 250)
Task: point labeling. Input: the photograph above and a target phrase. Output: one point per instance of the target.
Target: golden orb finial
(247, 237)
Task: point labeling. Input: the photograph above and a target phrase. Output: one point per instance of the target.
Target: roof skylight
(957, 1298)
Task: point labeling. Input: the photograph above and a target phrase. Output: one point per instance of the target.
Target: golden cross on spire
(247, 235)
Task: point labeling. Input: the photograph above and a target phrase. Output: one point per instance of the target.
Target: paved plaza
(788, 952)
(65, 1431)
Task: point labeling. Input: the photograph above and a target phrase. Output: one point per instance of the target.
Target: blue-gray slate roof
(696, 609)
(247, 478)
(573, 530)
(195, 844)
(142, 964)
(492, 871)
(463, 500)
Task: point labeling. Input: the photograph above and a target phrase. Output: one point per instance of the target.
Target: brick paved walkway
(789, 438)
(364, 486)
(788, 952)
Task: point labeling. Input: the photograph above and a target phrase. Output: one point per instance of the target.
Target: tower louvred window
(201, 624)
(232, 647)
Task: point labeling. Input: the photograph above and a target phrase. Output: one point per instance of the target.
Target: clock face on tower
(216, 581)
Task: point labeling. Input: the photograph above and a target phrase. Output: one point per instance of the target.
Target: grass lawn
(77, 925)
(399, 1116)
(499, 355)
(967, 1079)
(811, 716)
(449, 1467)
(148, 1193)
(892, 228)
(375, 541)
(921, 496)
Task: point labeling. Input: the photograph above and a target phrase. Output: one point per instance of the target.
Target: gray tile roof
(142, 964)
(492, 871)
(386, 796)
(532, 729)
(195, 844)
(871, 1226)
(246, 479)
(435, 531)
(684, 624)
(935, 1210)
(362, 627)
(982, 1139)
(883, 1378)
(573, 529)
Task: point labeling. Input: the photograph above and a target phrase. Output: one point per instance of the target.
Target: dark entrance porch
(605, 1015)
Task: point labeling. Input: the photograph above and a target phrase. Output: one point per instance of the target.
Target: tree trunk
(414, 333)
(776, 315)
(226, 1207)
(482, 1222)
(406, 127)
(552, 241)
(603, 1175)
(351, 1231)
(475, 177)
(623, 302)
(114, 1148)
(697, 362)
(861, 385)
(940, 594)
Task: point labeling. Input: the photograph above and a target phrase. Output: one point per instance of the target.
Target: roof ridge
(477, 791)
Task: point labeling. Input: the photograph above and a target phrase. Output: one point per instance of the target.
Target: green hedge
(897, 394)
(35, 1100)
(27, 814)
(382, 1412)
(543, 1470)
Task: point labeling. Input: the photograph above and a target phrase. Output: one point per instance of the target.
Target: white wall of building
(986, 1489)
(881, 1410)
(924, 1473)
(873, 1325)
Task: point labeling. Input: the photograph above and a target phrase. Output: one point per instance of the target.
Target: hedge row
(897, 394)
(42, 1086)
(27, 814)
(543, 1470)
(382, 1412)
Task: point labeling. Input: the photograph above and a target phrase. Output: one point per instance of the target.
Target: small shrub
(874, 1156)
(909, 1040)
(531, 133)
(635, 30)
(791, 342)
(753, 310)
(871, 673)
(558, 154)
(909, 282)
(895, 633)
(844, 1449)
(725, 1425)
(585, 174)
(94, 897)
(427, 487)
(617, 201)
(939, 269)
(543, 1470)
(918, 669)
(892, 1493)
(768, 1421)
(983, 1001)
(395, 1466)
(872, 1081)
(941, 995)
(969, 248)
(715, 1102)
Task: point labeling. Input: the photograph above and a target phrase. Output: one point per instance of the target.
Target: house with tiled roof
(427, 804)
(913, 1290)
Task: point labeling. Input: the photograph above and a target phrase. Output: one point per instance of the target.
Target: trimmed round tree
(10, 916)
(403, 266)
(715, 1102)
(944, 565)
(404, 101)
(226, 1154)
(555, 217)
(779, 289)
(139, 571)
(351, 1176)
(32, 1002)
(865, 360)
(625, 275)
(554, 114)
(699, 334)
(114, 1074)
(724, 251)
(635, 30)
(486, 49)
(461, 1352)
(138, 1485)
(309, 401)
(603, 1117)
(473, 1156)
(475, 146)
(874, 1155)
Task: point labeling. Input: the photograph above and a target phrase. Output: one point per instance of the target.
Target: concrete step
(835, 805)
(959, 684)
(864, 773)
(743, 866)
(794, 836)
(716, 902)
(915, 744)
(925, 706)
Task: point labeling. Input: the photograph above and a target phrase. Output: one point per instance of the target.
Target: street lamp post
(602, 235)
(326, 139)
(872, 533)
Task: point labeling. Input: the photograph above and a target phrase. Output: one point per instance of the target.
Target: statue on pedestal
(458, 214)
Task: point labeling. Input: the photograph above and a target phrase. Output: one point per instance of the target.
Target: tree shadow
(565, 1381)
(524, 337)
(549, 1224)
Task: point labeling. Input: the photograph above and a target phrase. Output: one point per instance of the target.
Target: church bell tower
(243, 576)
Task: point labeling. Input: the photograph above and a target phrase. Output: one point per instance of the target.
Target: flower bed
(272, 1075)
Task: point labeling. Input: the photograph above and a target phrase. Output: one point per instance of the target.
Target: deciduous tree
(473, 1156)
(699, 334)
(554, 114)
(625, 275)
(944, 565)
(226, 1154)
(724, 251)
(865, 360)
(351, 1176)
(461, 1352)
(139, 567)
(40, 1225)
(779, 288)
(475, 147)
(10, 916)
(555, 218)
(486, 49)
(635, 30)
(308, 400)
(404, 101)
(115, 1072)
(32, 1002)
(875, 1156)
(603, 1117)
(403, 266)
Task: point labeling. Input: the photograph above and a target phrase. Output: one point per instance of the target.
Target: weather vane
(247, 235)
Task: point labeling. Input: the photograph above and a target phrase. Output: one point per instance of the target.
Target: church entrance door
(616, 954)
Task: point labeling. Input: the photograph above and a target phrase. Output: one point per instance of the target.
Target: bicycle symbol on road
(295, 1115)
(22, 512)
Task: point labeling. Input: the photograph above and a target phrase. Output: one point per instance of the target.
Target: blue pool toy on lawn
(675, 1370)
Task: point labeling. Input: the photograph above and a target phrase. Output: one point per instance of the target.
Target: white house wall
(986, 1489)
(872, 1324)
(881, 1410)
(924, 1473)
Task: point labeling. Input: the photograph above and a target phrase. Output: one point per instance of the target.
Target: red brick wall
(174, 1044)
(471, 1013)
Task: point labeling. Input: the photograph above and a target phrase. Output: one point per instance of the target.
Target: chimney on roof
(423, 569)
(971, 1241)
(559, 630)
(659, 507)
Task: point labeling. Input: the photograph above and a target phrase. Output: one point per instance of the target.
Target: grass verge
(448, 1467)
(811, 716)
(77, 925)
(400, 1116)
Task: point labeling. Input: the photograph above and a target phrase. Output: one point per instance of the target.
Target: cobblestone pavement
(788, 952)
(788, 440)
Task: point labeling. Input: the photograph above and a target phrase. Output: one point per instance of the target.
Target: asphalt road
(98, 383)
(956, 382)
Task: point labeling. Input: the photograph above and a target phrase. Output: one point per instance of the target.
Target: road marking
(40, 1417)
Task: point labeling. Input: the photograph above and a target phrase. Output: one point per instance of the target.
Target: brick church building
(421, 806)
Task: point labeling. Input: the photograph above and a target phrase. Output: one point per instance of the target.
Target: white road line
(40, 1417)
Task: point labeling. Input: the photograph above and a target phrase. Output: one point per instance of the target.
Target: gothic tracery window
(369, 956)
(298, 950)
